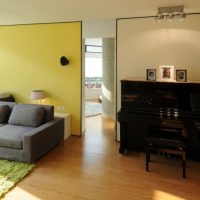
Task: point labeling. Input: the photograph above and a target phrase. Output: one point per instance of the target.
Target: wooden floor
(90, 168)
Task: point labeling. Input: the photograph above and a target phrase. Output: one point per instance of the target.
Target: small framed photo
(166, 73)
(181, 75)
(151, 74)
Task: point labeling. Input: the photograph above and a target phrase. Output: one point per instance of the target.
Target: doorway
(93, 77)
(98, 29)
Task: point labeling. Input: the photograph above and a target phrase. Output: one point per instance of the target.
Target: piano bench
(166, 143)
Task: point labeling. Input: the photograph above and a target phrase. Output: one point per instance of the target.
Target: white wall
(99, 29)
(143, 43)
(93, 94)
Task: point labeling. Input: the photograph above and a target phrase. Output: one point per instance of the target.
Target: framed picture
(181, 75)
(151, 74)
(166, 73)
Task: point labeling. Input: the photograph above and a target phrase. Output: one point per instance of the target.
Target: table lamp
(37, 95)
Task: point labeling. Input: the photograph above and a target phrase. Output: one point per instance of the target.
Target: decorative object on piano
(166, 73)
(181, 75)
(151, 74)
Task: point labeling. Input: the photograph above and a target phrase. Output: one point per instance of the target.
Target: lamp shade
(37, 94)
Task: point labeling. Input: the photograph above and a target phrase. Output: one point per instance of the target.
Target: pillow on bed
(27, 115)
(4, 112)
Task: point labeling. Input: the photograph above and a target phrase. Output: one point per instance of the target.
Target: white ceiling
(42, 11)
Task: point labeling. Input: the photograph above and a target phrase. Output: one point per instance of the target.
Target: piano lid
(158, 96)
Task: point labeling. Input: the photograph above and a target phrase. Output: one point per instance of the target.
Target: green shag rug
(11, 173)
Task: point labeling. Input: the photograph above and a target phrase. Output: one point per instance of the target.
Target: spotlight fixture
(170, 13)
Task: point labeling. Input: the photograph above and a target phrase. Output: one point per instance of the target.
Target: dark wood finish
(164, 140)
(167, 104)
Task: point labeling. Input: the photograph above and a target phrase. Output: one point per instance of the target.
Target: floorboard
(90, 168)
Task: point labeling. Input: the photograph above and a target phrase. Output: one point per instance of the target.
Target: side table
(67, 123)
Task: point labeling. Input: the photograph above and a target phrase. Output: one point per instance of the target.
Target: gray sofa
(28, 131)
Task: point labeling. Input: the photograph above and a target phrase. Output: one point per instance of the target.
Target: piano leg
(147, 158)
(122, 151)
(183, 163)
(123, 138)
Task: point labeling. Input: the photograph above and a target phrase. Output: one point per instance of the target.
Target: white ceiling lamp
(170, 13)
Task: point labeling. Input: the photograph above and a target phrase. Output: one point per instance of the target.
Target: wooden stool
(167, 140)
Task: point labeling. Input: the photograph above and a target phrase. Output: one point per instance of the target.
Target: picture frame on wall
(181, 75)
(151, 74)
(166, 73)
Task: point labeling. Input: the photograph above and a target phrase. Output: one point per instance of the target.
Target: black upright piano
(165, 104)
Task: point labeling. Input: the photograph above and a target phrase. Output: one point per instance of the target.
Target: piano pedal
(164, 154)
(168, 155)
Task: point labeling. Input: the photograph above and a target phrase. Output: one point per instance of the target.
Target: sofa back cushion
(4, 113)
(48, 111)
(27, 115)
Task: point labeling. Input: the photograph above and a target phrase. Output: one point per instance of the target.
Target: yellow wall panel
(30, 59)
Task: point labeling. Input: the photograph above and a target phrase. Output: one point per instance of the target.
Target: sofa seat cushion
(4, 112)
(11, 136)
(27, 115)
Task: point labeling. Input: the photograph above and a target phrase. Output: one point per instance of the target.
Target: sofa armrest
(43, 138)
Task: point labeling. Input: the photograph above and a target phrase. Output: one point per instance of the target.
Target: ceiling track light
(170, 13)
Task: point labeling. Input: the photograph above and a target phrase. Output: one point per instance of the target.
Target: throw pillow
(4, 112)
(27, 115)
